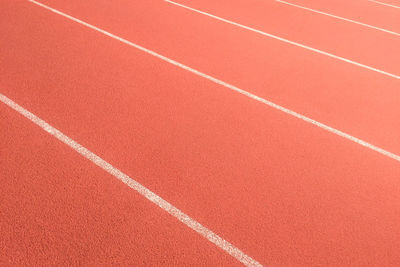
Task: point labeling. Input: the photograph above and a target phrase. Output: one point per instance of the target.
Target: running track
(279, 154)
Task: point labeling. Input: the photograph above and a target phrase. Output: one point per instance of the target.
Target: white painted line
(163, 204)
(337, 17)
(232, 87)
(287, 41)
(385, 4)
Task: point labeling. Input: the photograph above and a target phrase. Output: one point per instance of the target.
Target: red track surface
(360, 10)
(59, 209)
(285, 192)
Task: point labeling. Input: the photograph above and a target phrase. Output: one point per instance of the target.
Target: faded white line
(163, 204)
(337, 17)
(385, 4)
(287, 41)
(231, 87)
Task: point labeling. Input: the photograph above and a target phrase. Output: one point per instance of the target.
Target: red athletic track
(360, 10)
(337, 93)
(59, 209)
(389, 2)
(285, 192)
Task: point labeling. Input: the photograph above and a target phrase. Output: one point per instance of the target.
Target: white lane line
(163, 204)
(287, 41)
(385, 4)
(337, 17)
(231, 87)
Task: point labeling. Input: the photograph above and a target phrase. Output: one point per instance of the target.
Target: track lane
(363, 10)
(338, 17)
(341, 38)
(386, 4)
(57, 208)
(302, 81)
(314, 202)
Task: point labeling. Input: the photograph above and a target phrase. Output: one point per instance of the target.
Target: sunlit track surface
(383, 3)
(264, 153)
(287, 41)
(338, 17)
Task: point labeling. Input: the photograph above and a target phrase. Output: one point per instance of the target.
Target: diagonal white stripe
(287, 41)
(163, 204)
(231, 87)
(185, 219)
(337, 17)
(385, 4)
